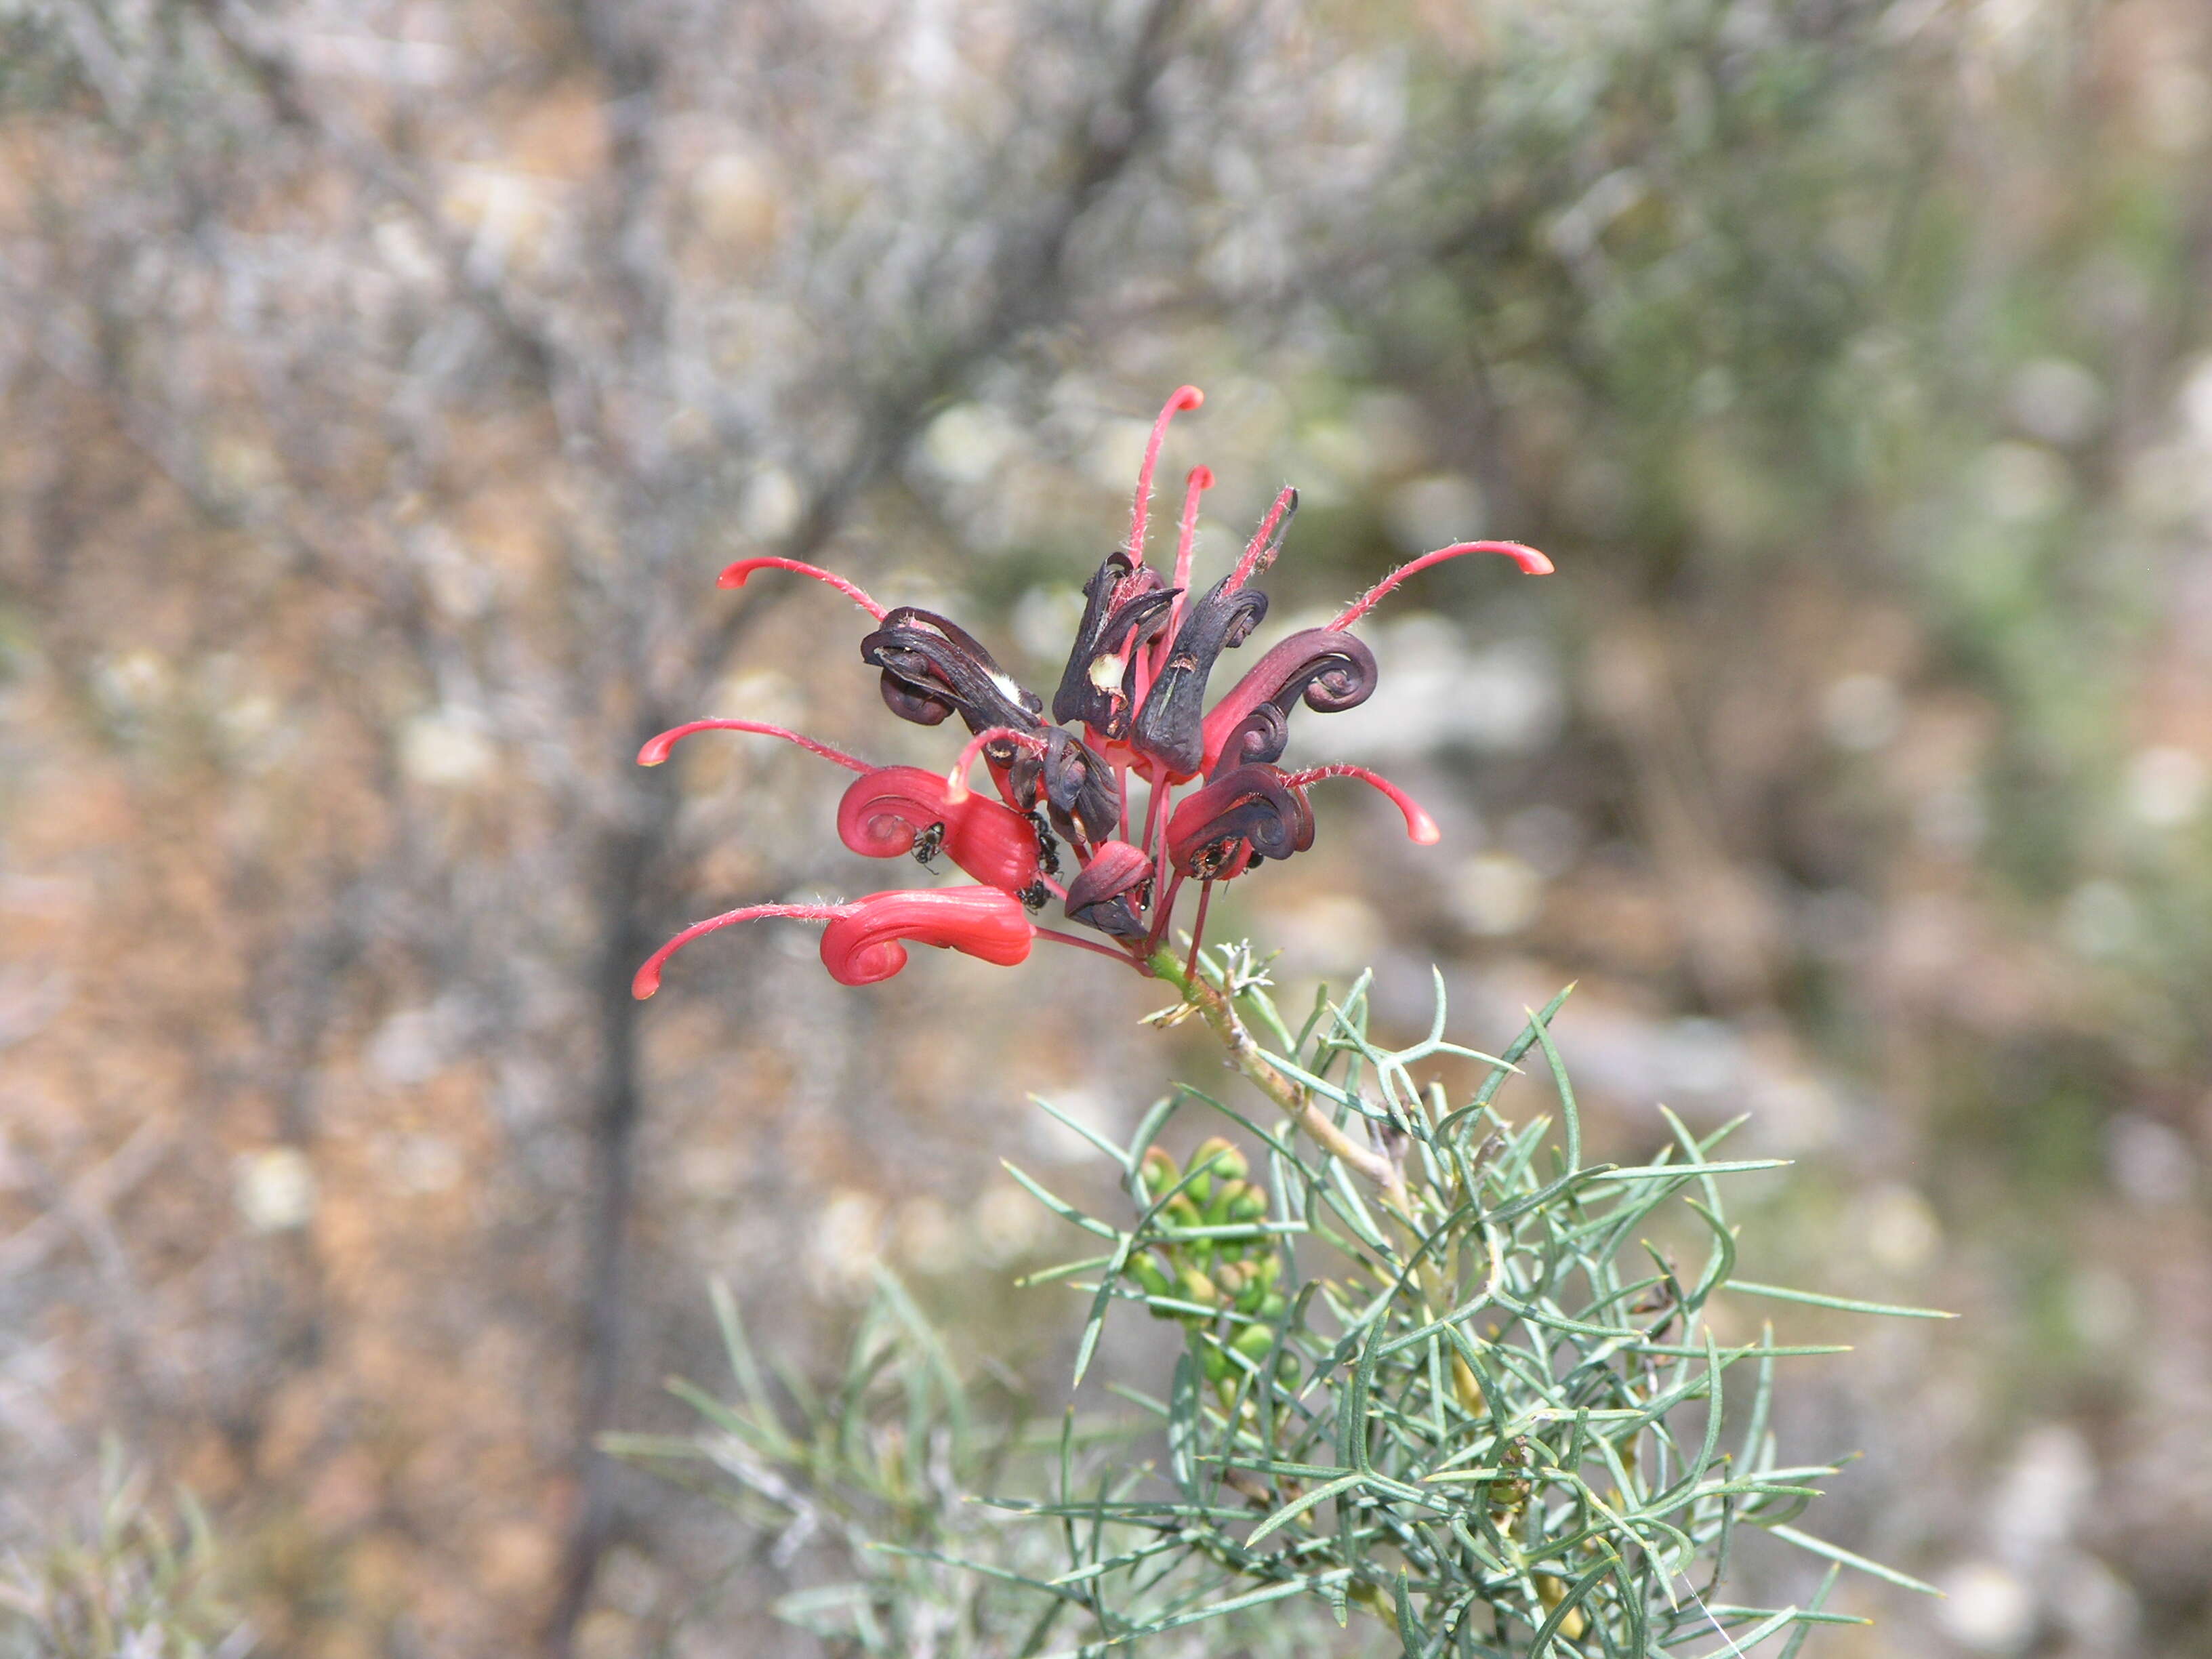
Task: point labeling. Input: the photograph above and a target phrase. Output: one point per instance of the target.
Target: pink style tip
(647, 981)
(1182, 398)
(1532, 564)
(1421, 828)
(735, 576)
(656, 749)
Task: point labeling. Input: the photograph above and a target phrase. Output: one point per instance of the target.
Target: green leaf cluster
(1486, 1409)
(138, 1581)
(1483, 1405)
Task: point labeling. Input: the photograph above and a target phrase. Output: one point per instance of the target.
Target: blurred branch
(272, 71)
(1107, 133)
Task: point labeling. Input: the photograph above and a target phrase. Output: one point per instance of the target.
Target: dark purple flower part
(1125, 608)
(1134, 690)
(932, 667)
(1170, 727)
(1248, 813)
(1332, 672)
(1114, 892)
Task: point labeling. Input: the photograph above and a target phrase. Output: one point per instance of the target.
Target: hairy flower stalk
(1132, 707)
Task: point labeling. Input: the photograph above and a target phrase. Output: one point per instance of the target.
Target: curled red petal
(1183, 397)
(647, 979)
(656, 749)
(1532, 564)
(736, 574)
(1249, 812)
(1419, 826)
(1329, 670)
(868, 940)
(885, 812)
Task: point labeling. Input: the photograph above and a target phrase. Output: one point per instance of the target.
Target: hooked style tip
(647, 979)
(1420, 829)
(1532, 564)
(1199, 477)
(1184, 396)
(657, 747)
(734, 576)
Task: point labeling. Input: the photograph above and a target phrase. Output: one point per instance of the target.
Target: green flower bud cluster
(1231, 1276)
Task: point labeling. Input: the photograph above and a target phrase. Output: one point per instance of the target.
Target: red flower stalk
(1135, 683)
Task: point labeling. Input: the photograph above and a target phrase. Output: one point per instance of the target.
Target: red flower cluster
(1135, 685)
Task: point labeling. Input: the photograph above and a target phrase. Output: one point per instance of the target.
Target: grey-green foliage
(1496, 1422)
(881, 1459)
(872, 1483)
(138, 1584)
(1501, 1424)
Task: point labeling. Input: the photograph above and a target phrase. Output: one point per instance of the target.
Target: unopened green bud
(1213, 1361)
(1271, 1307)
(1254, 1341)
(1197, 1287)
(1286, 1367)
(1250, 1293)
(1250, 1204)
(1268, 1267)
(1159, 1170)
(1180, 1211)
(1223, 1159)
(1149, 1276)
(1230, 1278)
(1225, 1194)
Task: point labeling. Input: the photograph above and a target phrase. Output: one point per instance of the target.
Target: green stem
(1297, 1103)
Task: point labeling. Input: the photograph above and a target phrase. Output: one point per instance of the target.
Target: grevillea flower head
(1134, 690)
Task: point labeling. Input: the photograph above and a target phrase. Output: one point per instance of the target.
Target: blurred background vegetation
(384, 383)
